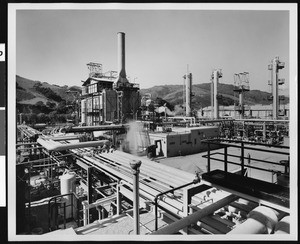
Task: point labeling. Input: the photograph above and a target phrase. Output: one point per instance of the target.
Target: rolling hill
(175, 94)
(31, 92)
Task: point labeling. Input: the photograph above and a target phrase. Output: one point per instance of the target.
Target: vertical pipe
(89, 183)
(225, 159)
(85, 212)
(156, 220)
(241, 102)
(212, 99)
(242, 158)
(208, 157)
(135, 165)
(64, 206)
(118, 199)
(264, 132)
(216, 105)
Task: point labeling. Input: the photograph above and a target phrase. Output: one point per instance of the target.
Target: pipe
(195, 181)
(283, 226)
(261, 220)
(51, 145)
(62, 138)
(166, 205)
(135, 165)
(195, 217)
(241, 102)
(85, 212)
(212, 99)
(97, 128)
(156, 170)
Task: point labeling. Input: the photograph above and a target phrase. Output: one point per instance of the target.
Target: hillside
(174, 94)
(30, 92)
(33, 94)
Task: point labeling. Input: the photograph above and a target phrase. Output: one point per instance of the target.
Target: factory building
(109, 97)
(182, 141)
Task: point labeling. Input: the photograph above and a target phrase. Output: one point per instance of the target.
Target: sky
(54, 46)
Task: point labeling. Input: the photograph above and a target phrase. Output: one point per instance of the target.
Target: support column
(135, 165)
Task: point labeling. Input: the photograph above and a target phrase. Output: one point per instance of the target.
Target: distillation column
(188, 92)
(241, 85)
(275, 81)
(217, 73)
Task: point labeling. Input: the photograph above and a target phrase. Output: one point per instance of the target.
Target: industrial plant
(113, 172)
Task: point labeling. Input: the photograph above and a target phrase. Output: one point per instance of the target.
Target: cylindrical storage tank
(261, 220)
(283, 226)
(67, 185)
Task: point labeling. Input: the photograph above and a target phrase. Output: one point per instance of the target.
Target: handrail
(242, 156)
(195, 181)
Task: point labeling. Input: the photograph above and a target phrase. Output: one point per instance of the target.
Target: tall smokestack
(121, 58)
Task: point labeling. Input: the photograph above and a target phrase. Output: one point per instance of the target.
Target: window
(92, 88)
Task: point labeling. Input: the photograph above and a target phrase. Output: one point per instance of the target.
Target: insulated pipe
(62, 138)
(97, 128)
(261, 220)
(55, 146)
(283, 226)
(178, 177)
(195, 217)
(135, 165)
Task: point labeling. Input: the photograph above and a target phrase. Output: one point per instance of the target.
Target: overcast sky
(55, 45)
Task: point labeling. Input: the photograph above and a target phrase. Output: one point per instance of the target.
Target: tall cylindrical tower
(121, 57)
(216, 105)
(274, 78)
(274, 67)
(188, 92)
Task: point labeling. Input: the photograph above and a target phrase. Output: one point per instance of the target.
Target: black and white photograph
(152, 122)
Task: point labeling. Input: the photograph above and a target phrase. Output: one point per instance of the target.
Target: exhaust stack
(121, 58)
